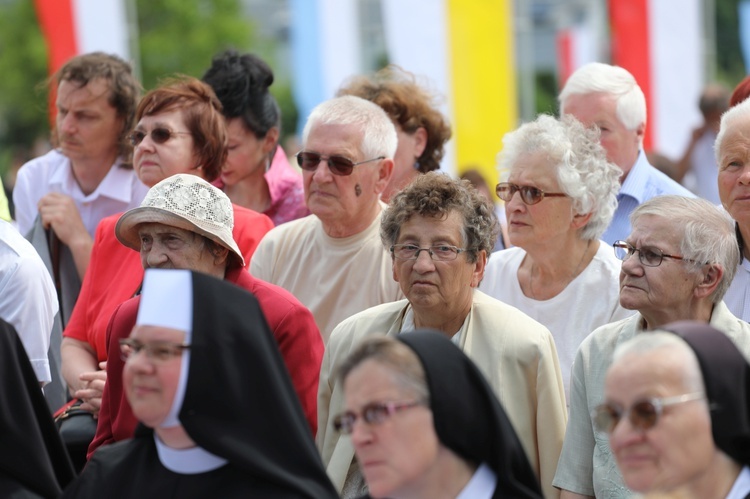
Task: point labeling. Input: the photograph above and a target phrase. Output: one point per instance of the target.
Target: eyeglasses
(643, 414)
(529, 194)
(159, 351)
(159, 135)
(339, 165)
(439, 253)
(647, 255)
(372, 413)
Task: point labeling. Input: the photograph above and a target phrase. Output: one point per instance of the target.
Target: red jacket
(293, 327)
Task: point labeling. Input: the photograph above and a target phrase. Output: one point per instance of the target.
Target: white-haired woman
(560, 196)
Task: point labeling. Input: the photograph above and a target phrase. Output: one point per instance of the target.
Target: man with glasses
(332, 260)
(677, 265)
(609, 98)
(440, 232)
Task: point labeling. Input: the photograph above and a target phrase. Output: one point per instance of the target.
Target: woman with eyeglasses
(422, 129)
(425, 423)
(179, 129)
(560, 195)
(205, 430)
(677, 412)
(256, 174)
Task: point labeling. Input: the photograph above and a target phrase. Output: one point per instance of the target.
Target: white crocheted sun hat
(187, 202)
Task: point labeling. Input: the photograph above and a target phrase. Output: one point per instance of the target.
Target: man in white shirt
(333, 260)
(88, 176)
(27, 297)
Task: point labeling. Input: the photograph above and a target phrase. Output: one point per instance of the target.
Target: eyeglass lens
(159, 135)
(642, 415)
(338, 165)
(650, 257)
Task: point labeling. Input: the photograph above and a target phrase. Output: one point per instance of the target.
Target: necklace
(570, 279)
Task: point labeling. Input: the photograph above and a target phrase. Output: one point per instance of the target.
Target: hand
(91, 394)
(59, 212)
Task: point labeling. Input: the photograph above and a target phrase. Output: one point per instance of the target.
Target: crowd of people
(213, 320)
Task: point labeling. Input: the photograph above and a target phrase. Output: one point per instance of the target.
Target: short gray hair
(651, 341)
(378, 132)
(740, 112)
(400, 359)
(707, 234)
(613, 80)
(583, 171)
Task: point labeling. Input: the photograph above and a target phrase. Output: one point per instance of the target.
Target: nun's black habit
(726, 377)
(468, 418)
(239, 405)
(33, 460)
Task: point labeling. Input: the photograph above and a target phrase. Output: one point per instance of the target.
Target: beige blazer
(514, 352)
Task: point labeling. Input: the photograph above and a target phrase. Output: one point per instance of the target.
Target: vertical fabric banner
(664, 52)
(73, 27)
(483, 78)
(325, 50)
(422, 49)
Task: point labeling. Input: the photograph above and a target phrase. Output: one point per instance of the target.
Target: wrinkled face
(154, 162)
(545, 221)
(600, 109)
(436, 285)
(397, 455)
(679, 449)
(167, 247)
(337, 199)
(149, 386)
(734, 171)
(246, 157)
(410, 147)
(87, 125)
(653, 290)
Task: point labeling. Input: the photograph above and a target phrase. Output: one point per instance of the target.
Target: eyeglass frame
(430, 250)
(391, 408)
(658, 404)
(630, 250)
(513, 188)
(176, 349)
(332, 169)
(159, 129)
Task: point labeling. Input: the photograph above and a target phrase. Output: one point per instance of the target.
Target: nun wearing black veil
(33, 460)
(219, 414)
(425, 423)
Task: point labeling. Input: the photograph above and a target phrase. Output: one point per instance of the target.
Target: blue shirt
(642, 183)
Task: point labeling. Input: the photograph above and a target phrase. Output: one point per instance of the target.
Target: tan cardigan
(514, 352)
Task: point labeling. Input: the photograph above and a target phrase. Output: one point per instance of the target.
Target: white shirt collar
(741, 486)
(187, 461)
(117, 184)
(481, 486)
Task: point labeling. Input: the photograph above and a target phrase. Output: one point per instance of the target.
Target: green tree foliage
(176, 36)
(729, 62)
(23, 69)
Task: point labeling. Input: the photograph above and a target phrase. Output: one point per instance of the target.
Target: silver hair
(655, 340)
(597, 77)
(378, 132)
(707, 234)
(740, 112)
(583, 171)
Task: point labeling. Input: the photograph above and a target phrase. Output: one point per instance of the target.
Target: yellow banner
(483, 79)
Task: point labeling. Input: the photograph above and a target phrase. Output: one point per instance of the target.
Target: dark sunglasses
(339, 165)
(372, 413)
(643, 414)
(159, 135)
(529, 195)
